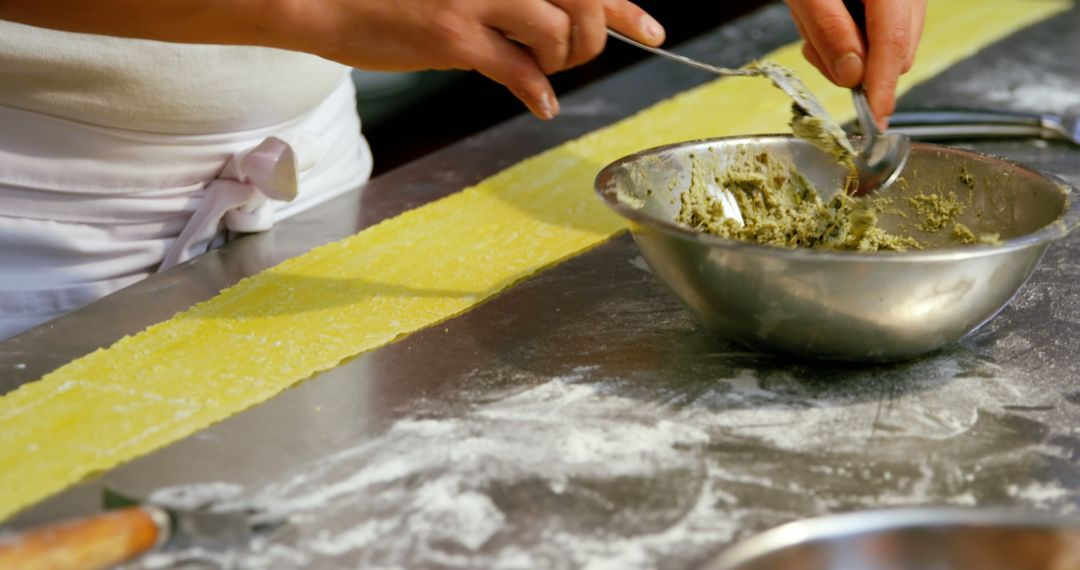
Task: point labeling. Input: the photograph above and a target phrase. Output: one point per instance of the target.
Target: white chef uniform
(108, 145)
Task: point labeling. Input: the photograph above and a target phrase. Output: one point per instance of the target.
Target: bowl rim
(1057, 229)
(877, 521)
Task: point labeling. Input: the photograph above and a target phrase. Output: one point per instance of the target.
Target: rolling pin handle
(93, 543)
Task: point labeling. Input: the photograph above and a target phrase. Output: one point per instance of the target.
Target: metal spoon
(831, 137)
(883, 155)
(742, 72)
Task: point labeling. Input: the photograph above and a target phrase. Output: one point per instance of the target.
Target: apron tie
(240, 196)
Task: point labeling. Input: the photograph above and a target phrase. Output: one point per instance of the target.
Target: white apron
(87, 210)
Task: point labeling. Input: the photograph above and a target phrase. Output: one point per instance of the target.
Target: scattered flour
(191, 497)
(1039, 493)
(641, 264)
(581, 471)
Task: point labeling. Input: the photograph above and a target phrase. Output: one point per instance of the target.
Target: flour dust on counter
(1022, 82)
(669, 443)
(586, 470)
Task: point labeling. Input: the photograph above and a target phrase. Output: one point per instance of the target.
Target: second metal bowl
(844, 305)
(913, 539)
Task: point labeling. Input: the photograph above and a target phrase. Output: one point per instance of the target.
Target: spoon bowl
(883, 155)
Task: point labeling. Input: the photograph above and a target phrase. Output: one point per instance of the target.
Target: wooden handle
(92, 543)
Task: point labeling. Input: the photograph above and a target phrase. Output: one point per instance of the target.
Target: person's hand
(834, 45)
(517, 43)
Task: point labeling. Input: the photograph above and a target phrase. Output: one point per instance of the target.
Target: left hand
(834, 46)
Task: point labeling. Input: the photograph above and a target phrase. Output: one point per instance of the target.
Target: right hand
(835, 46)
(517, 43)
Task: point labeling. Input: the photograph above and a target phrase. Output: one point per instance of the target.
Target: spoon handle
(683, 59)
(867, 123)
(862, 106)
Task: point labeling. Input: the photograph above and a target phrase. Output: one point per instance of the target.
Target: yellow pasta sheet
(309, 313)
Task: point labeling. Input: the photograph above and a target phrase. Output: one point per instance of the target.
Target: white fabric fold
(241, 197)
(86, 210)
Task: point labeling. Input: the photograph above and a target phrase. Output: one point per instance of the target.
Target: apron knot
(240, 196)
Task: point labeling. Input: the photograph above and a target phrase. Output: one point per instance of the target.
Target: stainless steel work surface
(582, 419)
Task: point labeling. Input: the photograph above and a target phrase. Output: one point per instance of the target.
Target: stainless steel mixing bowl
(845, 305)
(913, 539)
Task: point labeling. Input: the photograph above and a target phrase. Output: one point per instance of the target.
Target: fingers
(827, 26)
(888, 24)
(540, 25)
(500, 60)
(814, 58)
(591, 18)
(834, 45)
(558, 34)
(566, 33)
(588, 30)
(809, 52)
(629, 19)
(918, 18)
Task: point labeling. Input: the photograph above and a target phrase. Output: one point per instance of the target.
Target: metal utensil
(913, 539)
(883, 155)
(116, 536)
(845, 305)
(804, 101)
(951, 124)
(741, 72)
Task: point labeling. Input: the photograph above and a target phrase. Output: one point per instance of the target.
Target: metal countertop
(582, 418)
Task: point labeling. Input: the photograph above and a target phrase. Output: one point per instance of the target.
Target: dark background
(439, 108)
